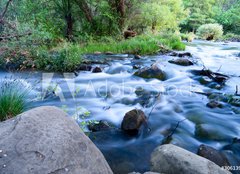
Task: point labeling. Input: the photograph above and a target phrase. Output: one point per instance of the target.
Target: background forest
(37, 30)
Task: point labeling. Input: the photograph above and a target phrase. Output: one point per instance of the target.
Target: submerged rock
(46, 140)
(182, 62)
(144, 173)
(136, 66)
(238, 55)
(207, 131)
(170, 159)
(231, 99)
(137, 57)
(84, 67)
(214, 104)
(210, 79)
(132, 121)
(109, 53)
(100, 126)
(185, 54)
(234, 146)
(213, 155)
(216, 77)
(151, 72)
(97, 70)
(146, 97)
(205, 80)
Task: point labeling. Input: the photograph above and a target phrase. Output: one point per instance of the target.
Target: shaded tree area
(79, 18)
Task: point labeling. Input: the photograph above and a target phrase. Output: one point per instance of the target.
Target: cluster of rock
(170, 159)
(45, 140)
(86, 67)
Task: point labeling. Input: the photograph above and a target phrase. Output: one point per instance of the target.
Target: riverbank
(66, 57)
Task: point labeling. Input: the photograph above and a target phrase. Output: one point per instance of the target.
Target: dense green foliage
(79, 19)
(224, 12)
(200, 12)
(210, 31)
(157, 15)
(13, 98)
(227, 14)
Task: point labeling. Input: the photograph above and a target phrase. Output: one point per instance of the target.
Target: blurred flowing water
(112, 93)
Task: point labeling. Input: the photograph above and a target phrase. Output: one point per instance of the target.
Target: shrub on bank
(188, 36)
(13, 98)
(62, 59)
(231, 37)
(210, 31)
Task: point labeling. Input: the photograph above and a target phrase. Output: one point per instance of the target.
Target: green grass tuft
(143, 44)
(13, 98)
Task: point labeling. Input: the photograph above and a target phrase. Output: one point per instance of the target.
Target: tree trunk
(69, 30)
(121, 11)
(83, 5)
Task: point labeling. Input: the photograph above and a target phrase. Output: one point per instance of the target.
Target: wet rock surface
(96, 70)
(84, 67)
(213, 155)
(99, 126)
(214, 104)
(182, 62)
(132, 121)
(137, 57)
(185, 54)
(151, 72)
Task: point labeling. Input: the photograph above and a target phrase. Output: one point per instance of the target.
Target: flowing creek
(110, 94)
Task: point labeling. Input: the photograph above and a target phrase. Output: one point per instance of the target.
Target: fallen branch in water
(219, 68)
(167, 139)
(236, 93)
(154, 105)
(150, 113)
(201, 93)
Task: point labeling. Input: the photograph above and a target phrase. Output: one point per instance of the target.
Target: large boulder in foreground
(170, 159)
(132, 121)
(151, 72)
(43, 141)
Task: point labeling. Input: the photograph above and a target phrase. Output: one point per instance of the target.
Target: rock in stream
(151, 72)
(170, 159)
(132, 121)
